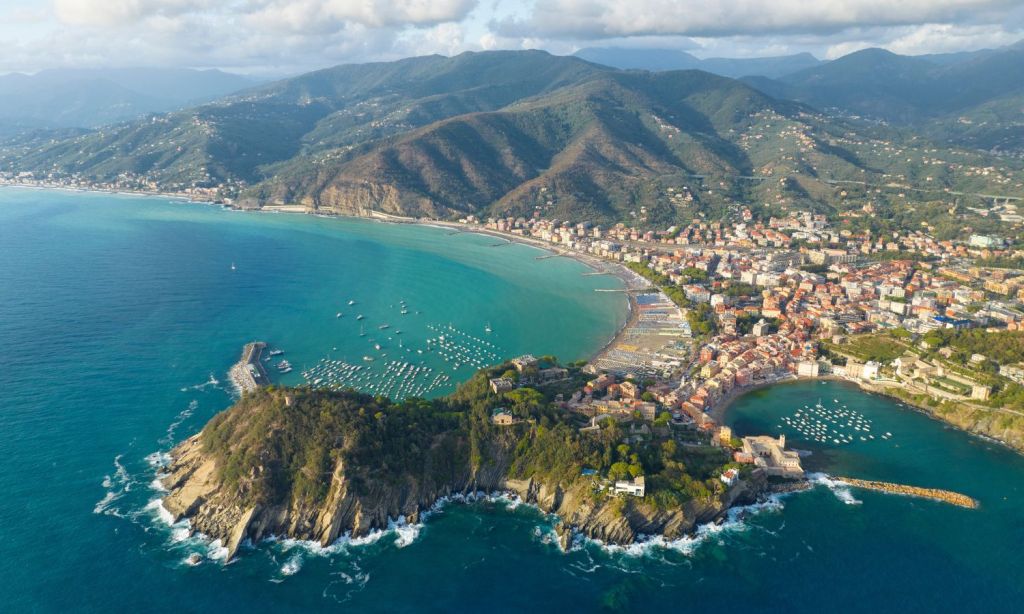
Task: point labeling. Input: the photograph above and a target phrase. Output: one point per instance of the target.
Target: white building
(633, 487)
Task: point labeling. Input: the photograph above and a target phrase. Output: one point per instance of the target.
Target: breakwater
(248, 374)
(946, 496)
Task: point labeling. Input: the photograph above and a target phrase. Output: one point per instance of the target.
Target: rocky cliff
(317, 466)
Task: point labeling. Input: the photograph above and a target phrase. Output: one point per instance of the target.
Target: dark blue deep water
(120, 316)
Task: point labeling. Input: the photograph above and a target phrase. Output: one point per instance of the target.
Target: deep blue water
(116, 311)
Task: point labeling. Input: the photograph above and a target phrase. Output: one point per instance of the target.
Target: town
(718, 309)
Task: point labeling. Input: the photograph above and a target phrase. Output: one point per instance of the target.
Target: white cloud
(318, 15)
(106, 13)
(612, 18)
(295, 35)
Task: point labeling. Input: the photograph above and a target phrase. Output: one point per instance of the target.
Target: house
(729, 477)
(553, 374)
(501, 417)
(628, 390)
(634, 487)
(501, 384)
(524, 362)
(808, 369)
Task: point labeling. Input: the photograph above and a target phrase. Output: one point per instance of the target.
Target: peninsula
(319, 465)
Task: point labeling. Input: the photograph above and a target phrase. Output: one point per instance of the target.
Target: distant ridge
(672, 59)
(84, 98)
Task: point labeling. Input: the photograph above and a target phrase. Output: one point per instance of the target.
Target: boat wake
(213, 382)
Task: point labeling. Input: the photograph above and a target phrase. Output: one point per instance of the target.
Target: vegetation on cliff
(284, 449)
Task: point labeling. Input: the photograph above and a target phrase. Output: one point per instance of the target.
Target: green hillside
(516, 133)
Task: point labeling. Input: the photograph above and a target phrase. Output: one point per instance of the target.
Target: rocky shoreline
(195, 493)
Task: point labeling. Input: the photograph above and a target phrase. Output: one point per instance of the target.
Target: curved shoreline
(721, 410)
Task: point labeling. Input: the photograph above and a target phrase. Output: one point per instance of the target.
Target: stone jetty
(935, 494)
(248, 374)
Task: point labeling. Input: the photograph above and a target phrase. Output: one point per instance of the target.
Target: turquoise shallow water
(116, 311)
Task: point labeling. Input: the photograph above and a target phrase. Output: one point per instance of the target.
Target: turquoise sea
(119, 317)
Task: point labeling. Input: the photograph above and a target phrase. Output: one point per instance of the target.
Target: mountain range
(518, 132)
(88, 98)
(674, 59)
(970, 99)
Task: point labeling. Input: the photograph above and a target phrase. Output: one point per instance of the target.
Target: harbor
(248, 373)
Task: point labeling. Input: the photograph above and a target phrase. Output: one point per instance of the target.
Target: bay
(119, 317)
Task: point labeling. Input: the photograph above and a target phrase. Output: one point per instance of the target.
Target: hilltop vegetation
(316, 464)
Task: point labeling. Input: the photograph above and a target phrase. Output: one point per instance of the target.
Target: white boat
(368, 358)
(351, 302)
(233, 267)
(487, 328)
(360, 317)
(384, 326)
(338, 315)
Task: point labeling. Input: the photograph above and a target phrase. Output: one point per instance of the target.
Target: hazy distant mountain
(89, 98)
(671, 59)
(492, 132)
(969, 98)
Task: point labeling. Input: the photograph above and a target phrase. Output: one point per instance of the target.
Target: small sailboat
(351, 302)
(360, 317)
(338, 315)
(233, 267)
(487, 328)
(362, 333)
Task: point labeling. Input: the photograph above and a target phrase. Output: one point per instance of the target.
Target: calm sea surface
(119, 317)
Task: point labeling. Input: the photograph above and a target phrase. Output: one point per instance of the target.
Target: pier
(935, 494)
(248, 374)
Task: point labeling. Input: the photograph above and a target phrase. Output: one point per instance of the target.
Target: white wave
(182, 416)
(180, 533)
(158, 459)
(292, 565)
(157, 484)
(121, 476)
(156, 507)
(216, 551)
(406, 533)
(191, 561)
(735, 521)
(839, 488)
(103, 505)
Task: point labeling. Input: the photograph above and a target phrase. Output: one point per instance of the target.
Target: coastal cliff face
(318, 466)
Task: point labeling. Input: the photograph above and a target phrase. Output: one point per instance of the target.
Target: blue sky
(285, 36)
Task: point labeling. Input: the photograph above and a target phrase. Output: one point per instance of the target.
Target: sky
(276, 37)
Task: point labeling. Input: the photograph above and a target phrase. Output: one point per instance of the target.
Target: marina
(404, 364)
(838, 425)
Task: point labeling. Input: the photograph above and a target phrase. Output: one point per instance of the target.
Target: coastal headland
(342, 463)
